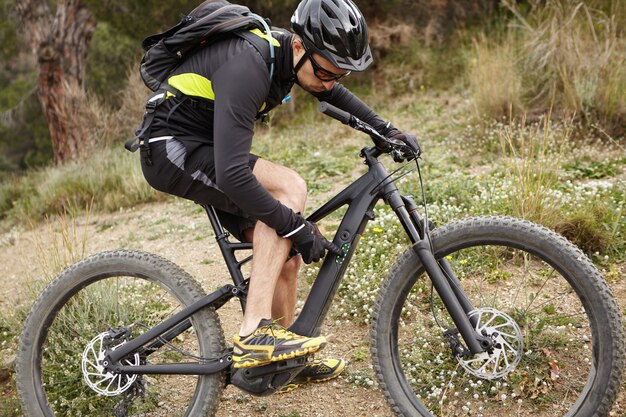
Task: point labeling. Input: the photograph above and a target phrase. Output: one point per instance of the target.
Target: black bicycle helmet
(336, 30)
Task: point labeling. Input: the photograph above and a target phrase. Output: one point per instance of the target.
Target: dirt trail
(180, 232)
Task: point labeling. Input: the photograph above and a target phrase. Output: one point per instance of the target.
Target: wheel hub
(94, 368)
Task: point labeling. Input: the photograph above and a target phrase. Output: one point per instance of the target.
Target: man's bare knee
(297, 191)
(291, 189)
(291, 267)
(283, 183)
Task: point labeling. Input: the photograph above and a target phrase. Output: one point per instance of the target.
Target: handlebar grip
(332, 111)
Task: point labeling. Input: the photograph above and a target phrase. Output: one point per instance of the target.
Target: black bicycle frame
(361, 196)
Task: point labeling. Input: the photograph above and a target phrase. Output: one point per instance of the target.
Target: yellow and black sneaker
(271, 342)
(315, 371)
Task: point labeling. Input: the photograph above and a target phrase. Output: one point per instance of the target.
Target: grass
(63, 245)
(531, 160)
(563, 54)
(111, 179)
(491, 62)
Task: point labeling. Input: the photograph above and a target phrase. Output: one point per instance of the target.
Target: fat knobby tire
(583, 276)
(123, 263)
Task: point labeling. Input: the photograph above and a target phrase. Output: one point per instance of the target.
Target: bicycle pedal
(267, 379)
(276, 367)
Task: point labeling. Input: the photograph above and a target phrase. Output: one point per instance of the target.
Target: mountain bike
(484, 316)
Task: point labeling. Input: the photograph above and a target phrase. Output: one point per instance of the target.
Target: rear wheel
(557, 331)
(110, 298)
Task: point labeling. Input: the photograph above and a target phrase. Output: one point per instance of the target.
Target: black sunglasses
(323, 74)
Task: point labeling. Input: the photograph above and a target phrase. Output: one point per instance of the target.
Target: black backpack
(207, 23)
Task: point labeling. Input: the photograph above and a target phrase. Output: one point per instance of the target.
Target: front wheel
(108, 299)
(558, 337)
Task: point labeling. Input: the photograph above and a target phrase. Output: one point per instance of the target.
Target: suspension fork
(455, 284)
(443, 278)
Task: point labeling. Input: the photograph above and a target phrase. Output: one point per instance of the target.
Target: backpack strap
(172, 90)
(260, 42)
(270, 41)
(142, 135)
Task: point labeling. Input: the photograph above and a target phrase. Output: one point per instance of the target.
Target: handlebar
(334, 112)
(398, 149)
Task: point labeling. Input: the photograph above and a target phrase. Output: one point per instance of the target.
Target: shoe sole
(288, 388)
(334, 375)
(321, 380)
(293, 386)
(253, 362)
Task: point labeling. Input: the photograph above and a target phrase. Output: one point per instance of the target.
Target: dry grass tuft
(495, 80)
(563, 55)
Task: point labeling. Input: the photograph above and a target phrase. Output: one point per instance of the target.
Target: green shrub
(111, 179)
(586, 229)
(110, 53)
(594, 170)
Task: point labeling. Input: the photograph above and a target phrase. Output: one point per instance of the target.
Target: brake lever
(401, 151)
(397, 156)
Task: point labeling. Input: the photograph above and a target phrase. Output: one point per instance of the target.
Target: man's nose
(328, 84)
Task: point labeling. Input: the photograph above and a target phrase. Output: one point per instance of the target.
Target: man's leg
(270, 261)
(270, 252)
(286, 292)
(260, 341)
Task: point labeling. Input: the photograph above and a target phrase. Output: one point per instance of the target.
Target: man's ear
(297, 45)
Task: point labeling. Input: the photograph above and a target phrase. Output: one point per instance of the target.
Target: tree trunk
(60, 44)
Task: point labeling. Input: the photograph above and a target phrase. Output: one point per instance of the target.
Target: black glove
(311, 243)
(409, 140)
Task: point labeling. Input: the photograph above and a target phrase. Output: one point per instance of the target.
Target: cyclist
(200, 150)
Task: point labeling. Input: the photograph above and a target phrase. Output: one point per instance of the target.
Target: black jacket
(232, 77)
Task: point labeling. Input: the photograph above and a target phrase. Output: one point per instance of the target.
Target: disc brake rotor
(94, 373)
(508, 345)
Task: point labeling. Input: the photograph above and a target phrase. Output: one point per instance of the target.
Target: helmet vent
(327, 10)
(326, 36)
